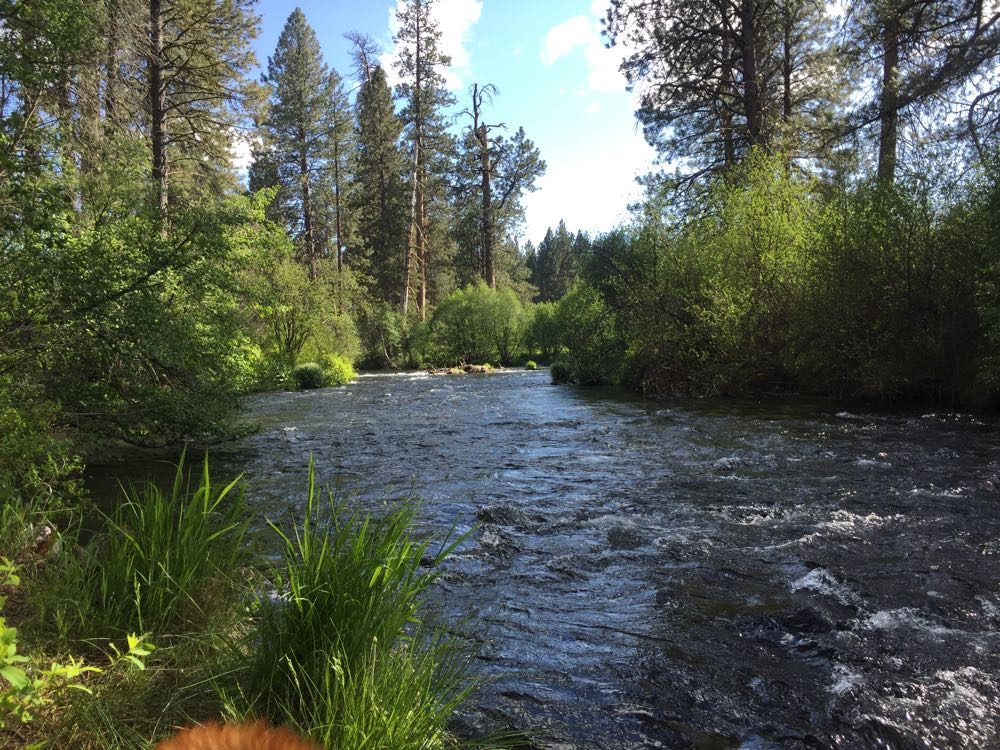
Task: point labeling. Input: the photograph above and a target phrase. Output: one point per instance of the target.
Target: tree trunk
(414, 235)
(157, 105)
(752, 99)
(421, 225)
(308, 239)
(889, 102)
(786, 65)
(337, 204)
(487, 222)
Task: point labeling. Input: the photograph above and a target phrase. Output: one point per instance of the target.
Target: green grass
(344, 653)
(162, 564)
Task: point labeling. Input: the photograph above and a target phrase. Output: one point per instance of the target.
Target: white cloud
(565, 38)
(241, 150)
(610, 176)
(583, 32)
(594, 106)
(455, 19)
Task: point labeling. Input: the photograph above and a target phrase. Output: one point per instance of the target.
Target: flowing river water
(707, 575)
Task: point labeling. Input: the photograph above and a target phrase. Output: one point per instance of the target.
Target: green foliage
(25, 688)
(343, 651)
(531, 365)
(308, 375)
(162, 563)
(543, 335)
(380, 328)
(589, 332)
(478, 324)
(878, 292)
(338, 370)
(561, 372)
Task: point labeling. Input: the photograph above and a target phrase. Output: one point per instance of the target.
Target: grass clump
(343, 653)
(161, 564)
(308, 375)
(338, 370)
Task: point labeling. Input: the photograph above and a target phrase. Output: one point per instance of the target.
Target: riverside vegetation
(330, 639)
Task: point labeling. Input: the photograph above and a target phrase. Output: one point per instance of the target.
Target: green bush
(24, 688)
(343, 651)
(531, 365)
(561, 371)
(542, 333)
(478, 324)
(308, 375)
(589, 332)
(380, 328)
(338, 370)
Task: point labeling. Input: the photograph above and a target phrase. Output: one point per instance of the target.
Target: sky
(555, 77)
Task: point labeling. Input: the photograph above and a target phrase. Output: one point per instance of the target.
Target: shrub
(542, 334)
(380, 328)
(308, 375)
(338, 370)
(24, 689)
(561, 371)
(343, 652)
(589, 331)
(478, 324)
(531, 365)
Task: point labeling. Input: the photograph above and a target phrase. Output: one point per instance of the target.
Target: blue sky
(555, 78)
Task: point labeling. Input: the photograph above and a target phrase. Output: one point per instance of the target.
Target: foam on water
(844, 680)
(822, 581)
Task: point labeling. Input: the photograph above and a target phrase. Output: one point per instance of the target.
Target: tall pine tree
(379, 198)
(299, 135)
(420, 65)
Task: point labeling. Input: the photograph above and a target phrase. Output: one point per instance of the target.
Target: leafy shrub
(338, 370)
(561, 371)
(380, 329)
(542, 334)
(478, 324)
(343, 652)
(308, 375)
(24, 690)
(588, 329)
(531, 365)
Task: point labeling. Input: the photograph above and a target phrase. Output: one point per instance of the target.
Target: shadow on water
(683, 575)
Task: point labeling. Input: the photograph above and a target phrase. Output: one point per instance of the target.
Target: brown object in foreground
(257, 736)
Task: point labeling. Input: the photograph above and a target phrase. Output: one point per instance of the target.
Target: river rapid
(646, 574)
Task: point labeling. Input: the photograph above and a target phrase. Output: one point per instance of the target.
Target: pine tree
(379, 199)
(556, 266)
(493, 175)
(420, 65)
(299, 134)
(198, 53)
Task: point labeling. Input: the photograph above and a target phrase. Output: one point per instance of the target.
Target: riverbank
(170, 615)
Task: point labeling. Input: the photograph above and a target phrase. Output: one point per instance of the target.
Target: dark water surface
(683, 575)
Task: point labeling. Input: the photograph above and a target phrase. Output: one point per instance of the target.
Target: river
(646, 574)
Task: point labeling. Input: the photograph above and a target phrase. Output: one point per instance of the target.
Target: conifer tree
(420, 65)
(379, 199)
(299, 134)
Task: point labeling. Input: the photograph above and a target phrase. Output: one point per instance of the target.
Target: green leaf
(16, 677)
